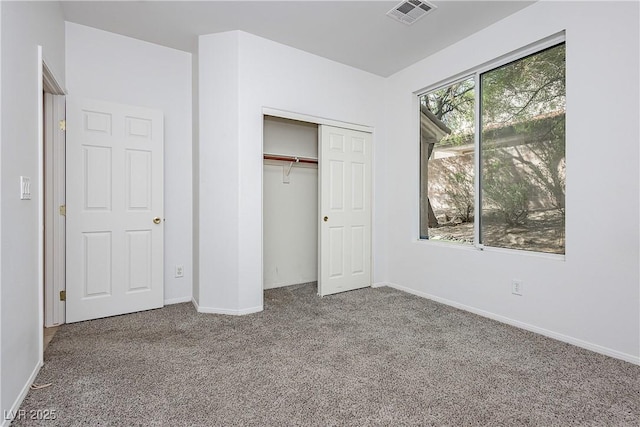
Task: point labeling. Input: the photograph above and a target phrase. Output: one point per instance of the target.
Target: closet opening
(290, 202)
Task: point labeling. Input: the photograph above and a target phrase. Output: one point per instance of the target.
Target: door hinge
(62, 124)
(63, 295)
(63, 210)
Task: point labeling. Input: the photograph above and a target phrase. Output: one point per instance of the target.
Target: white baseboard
(23, 393)
(212, 310)
(177, 300)
(551, 334)
(382, 284)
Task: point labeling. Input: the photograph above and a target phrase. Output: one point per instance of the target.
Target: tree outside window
(521, 145)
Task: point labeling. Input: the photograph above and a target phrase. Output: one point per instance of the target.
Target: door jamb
(266, 111)
(54, 189)
(48, 83)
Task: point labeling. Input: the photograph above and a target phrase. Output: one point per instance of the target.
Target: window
(447, 157)
(492, 150)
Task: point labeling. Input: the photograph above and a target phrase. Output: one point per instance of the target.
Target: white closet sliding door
(345, 210)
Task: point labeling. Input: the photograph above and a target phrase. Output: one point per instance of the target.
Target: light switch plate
(25, 188)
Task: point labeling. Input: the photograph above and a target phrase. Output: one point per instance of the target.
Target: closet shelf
(293, 159)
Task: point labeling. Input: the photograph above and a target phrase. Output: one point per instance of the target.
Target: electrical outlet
(179, 270)
(25, 188)
(516, 287)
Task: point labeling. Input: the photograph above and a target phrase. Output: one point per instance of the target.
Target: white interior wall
(591, 298)
(25, 25)
(245, 73)
(218, 178)
(290, 210)
(111, 67)
(2, 407)
(195, 178)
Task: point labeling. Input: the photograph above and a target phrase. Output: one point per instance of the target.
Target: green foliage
(525, 89)
(504, 188)
(454, 106)
(545, 165)
(453, 102)
(523, 136)
(459, 192)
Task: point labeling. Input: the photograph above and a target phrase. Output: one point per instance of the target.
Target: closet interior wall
(290, 203)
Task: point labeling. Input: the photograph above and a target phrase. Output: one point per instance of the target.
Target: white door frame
(47, 82)
(54, 190)
(284, 114)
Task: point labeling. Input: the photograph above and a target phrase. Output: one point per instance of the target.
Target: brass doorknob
(326, 218)
(157, 220)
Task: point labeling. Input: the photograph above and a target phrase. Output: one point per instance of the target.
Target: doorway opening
(290, 202)
(52, 179)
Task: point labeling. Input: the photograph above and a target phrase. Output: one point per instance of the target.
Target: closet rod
(290, 158)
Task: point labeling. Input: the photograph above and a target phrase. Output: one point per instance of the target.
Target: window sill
(491, 249)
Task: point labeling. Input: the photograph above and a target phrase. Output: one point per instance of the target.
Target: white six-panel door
(114, 209)
(345, 210)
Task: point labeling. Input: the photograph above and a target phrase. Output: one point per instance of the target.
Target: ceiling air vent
(410, 11)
